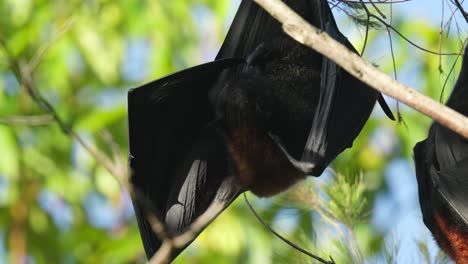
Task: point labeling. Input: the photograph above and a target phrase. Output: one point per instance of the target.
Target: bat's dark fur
(442, 173)
(262, 121)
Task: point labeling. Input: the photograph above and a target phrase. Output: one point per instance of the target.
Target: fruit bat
(266, 113)
(442, 175)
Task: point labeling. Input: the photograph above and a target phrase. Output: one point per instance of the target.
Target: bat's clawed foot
(308, 168)
(304, 166)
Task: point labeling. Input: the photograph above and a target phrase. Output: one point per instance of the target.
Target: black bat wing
(450, 176)
(451, 180)
(253, 26)
(344, 106)
(442, 165)
(423, 157)
(179, 162)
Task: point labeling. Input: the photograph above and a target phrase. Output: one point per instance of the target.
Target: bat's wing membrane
(178, 160)
(442, 166)
(175, 149)
(442, 160)
(253, 26)
(451, 151)
(345, 103)
(423, 157)
(453, 186)
(344, 106)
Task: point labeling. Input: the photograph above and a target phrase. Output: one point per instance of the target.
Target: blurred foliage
(58, 205)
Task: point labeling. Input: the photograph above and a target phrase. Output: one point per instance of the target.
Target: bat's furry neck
(261, 166)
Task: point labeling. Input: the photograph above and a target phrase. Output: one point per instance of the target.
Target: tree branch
(115, 165)
(463, 12)
(24, 75)
(310, 36)
(37, 120)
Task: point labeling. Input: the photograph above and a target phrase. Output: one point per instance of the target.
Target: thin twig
(378, 10)
(25, 76)
(367, 27)
(170, 244)
(441, 98)
(460, 7)
(284, 239)
(41, 51)
(410, 41)
(304, 33)
(119, 161)
(370, 15)
(441, 31)
(38, 120)
(395, 75)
